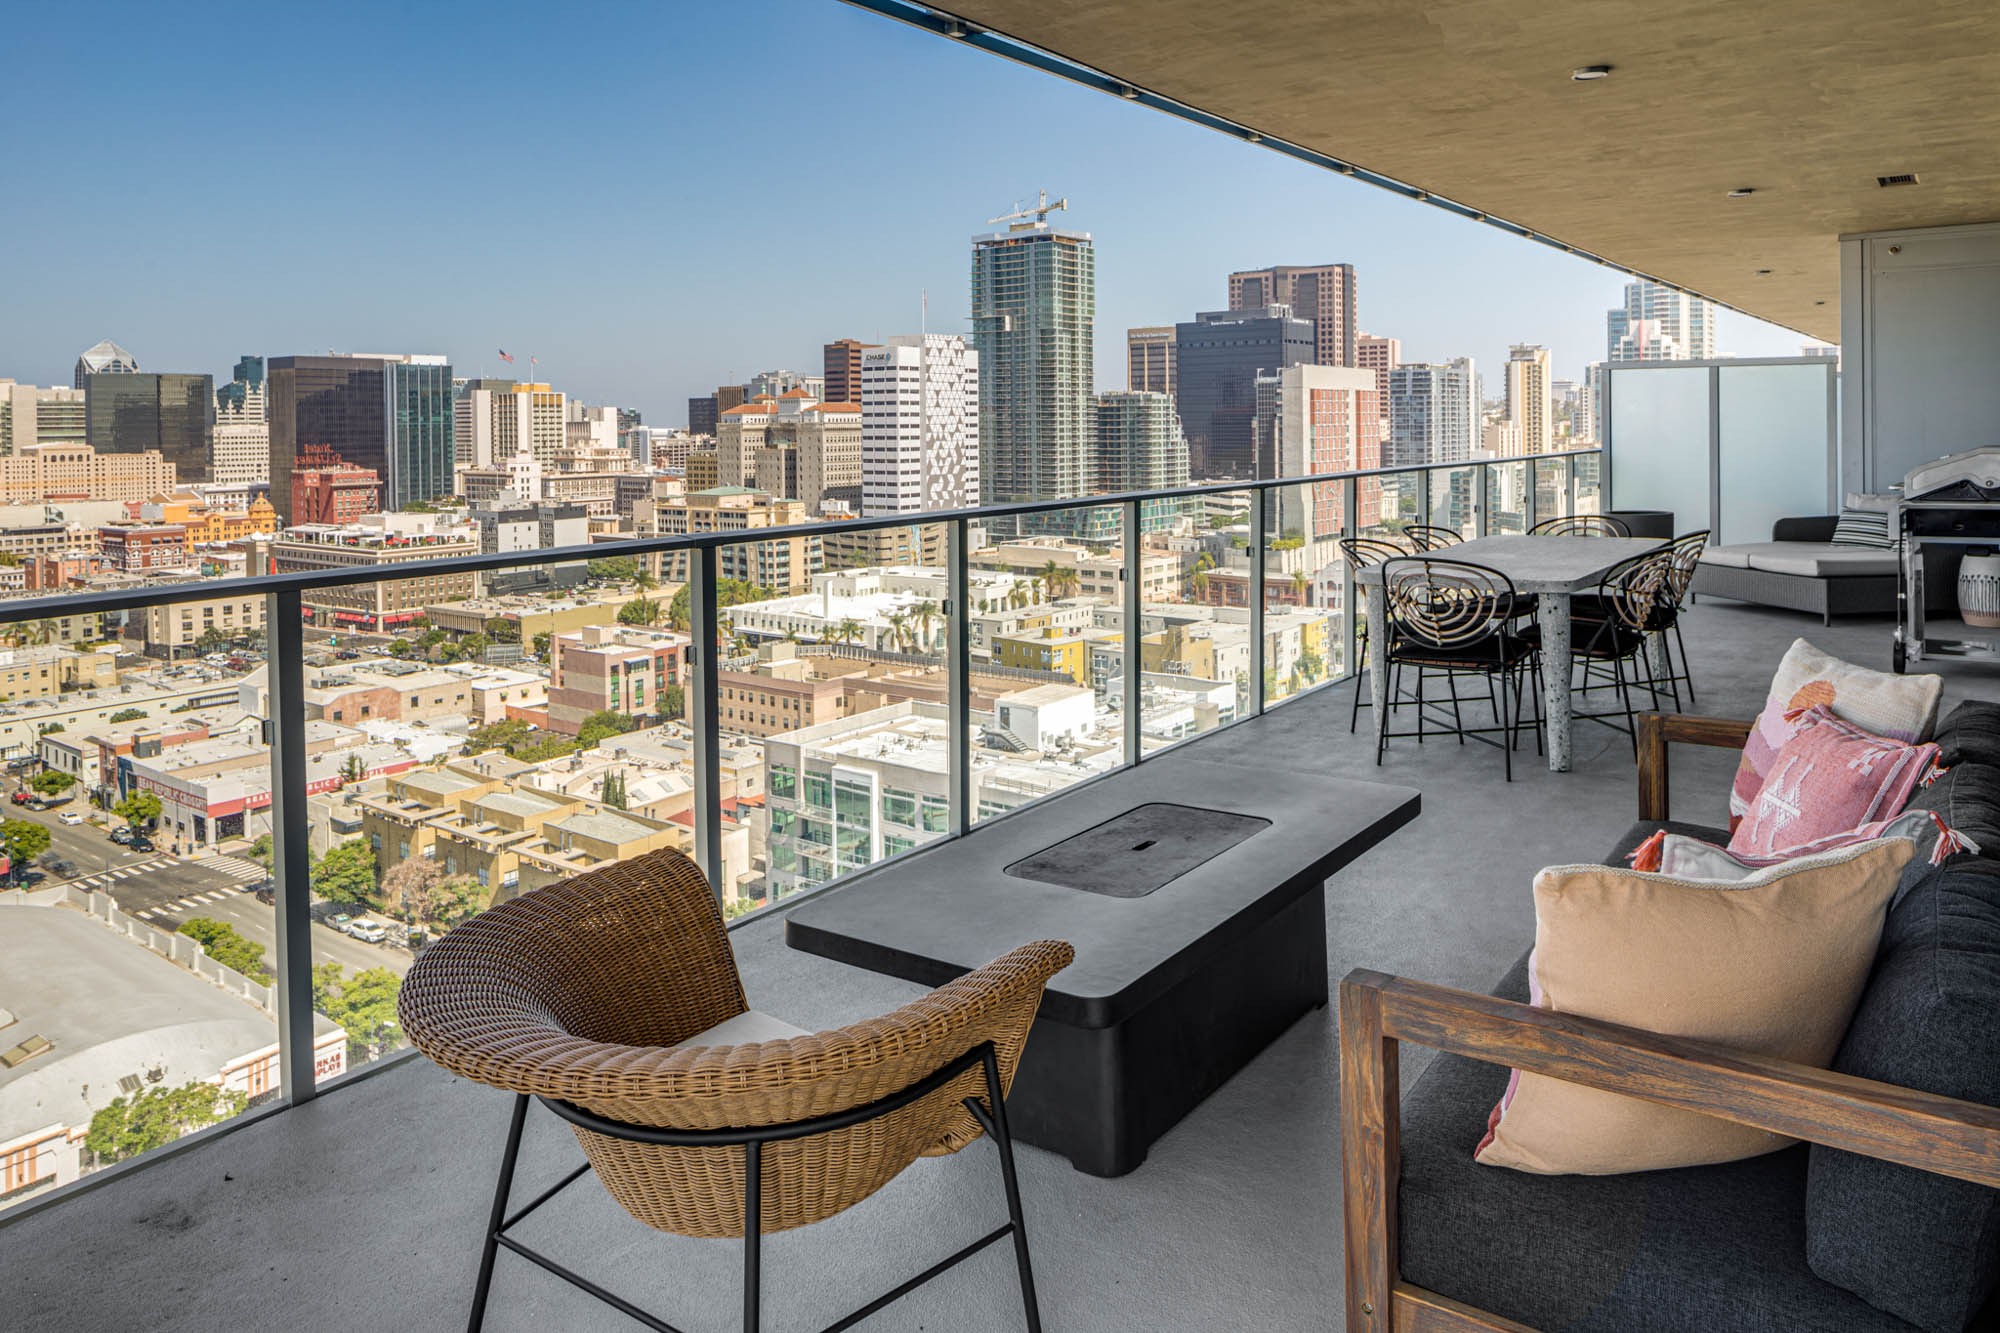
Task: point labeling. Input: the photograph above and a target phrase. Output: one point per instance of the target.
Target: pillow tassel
(1933, 773)
(1646, 856)
(1950, 841)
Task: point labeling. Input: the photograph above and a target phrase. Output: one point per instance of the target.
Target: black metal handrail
(16, 609)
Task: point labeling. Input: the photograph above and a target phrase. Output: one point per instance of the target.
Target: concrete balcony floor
(364, 1209)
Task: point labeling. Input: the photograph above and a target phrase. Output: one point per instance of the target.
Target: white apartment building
(1433, 413)
(1659, 323)
(29, 415)
(919, 425)
(494, 419)
(242, 438)
(589, 429)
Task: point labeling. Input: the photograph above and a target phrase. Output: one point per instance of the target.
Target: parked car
(140, 843)
(368, 931)
(122, 835)
(20, 797)
(66, 869)
(71, 816)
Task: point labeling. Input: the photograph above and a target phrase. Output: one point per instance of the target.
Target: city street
(164, 891)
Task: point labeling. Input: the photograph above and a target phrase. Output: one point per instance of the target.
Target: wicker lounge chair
(614, 999)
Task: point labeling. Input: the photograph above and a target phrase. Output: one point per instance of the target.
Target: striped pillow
(1862, 527)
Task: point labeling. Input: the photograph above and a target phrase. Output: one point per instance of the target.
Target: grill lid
(1972, 477)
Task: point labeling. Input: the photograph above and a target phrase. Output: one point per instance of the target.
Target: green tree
(473, 647)
(406, 889)
(602, 725)
(23, 840)
(502, 630)
(156, 1117)
(346, 873)
(673, 702)
(262, 850)
(728, 592)
(221, 941)
(139, 809)
(614, 569)
(210, 640)
(52, 728)
(52, 783)
(541, 643)
(364, 1004)
(401, 648)
(611, 790)
(353, 769)
(639, 611)
(129, 715)
(503, 735)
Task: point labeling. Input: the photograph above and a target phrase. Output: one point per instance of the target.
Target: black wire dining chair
(1614, 629)
(1681, 556)
(1364, 553)
(1581, 525)
(1430, 537)
(1455, 618)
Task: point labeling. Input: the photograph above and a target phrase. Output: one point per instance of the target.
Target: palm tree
(1299, 585)
(1050, 575)
(1200, 584)
(899, 628)
(926, 615)
(847, 631)
(45, 631)
(1173, 646)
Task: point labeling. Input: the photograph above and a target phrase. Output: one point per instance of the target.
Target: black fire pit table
(1195, 894)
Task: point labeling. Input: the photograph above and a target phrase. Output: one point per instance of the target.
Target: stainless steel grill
(1946, 506)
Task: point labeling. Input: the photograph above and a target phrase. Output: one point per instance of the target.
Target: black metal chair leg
(1003, 1139)
(1421, 673)
(1506, 749)
(1687, 667)
(1457, 722)
(753, 1232)
(499, 1215)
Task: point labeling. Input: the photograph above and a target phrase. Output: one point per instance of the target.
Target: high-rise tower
(919, 424)
(1034, 308)
(1322, 293)
(1658, 323)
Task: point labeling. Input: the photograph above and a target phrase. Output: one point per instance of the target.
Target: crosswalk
(242, 871)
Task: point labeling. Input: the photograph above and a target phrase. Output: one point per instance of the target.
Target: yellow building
(207, 523)
(1066, 651)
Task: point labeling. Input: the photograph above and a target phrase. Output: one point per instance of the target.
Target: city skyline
(625, 311)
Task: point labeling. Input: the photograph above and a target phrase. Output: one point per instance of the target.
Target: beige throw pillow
(1772, 964)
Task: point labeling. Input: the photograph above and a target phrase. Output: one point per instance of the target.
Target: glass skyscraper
(133, 411)
(391, 414)
(1034, 311)
(1217, 359)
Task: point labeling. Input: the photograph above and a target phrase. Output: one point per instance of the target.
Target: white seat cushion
(1810, 559)
(1817, 560)
(748, 1026)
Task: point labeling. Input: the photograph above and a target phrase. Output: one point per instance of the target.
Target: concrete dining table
(1551, 568)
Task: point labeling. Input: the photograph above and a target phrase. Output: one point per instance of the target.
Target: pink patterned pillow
(1901, 708)
(1831, 776)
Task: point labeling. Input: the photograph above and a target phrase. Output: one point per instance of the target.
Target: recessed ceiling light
(1590, 73)
(1253, 137)
(1904, 178)
(1128, 92)
(1763, 272)
(1742, 192)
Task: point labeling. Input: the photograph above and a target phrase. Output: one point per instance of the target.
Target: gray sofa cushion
(1967, 798)
(1715, 1248)
(1971, 732)
(1639, 832)
(1735, 557)
(1922, 1246)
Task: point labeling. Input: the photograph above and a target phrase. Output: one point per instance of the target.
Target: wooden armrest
(1378, 1012)
(1657, 730)
(1918, 1129)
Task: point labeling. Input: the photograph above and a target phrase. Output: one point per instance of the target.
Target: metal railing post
(958, 680)
(1530, 511)
(704, 718)
(1258, 555)
(291, 846)
(1134, 614)
(1483, 502)
(1350, 527)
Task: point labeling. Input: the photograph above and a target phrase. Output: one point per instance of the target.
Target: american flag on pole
(508, 359)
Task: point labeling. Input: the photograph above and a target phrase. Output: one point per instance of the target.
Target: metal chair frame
(1430, 537)
(991, 1115)
(1633, 593)
(1481, 604)
(1581, 525)
(1363, 553)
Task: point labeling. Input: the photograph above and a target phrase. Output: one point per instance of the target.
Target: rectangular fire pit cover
(1147, 847)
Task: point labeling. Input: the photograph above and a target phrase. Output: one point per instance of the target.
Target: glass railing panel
(1454, 500)
(1194, 636)
(1047, 668)
(137, 935)
(832, 703)
(1385, 505)
(1507, 496)
(1304, 589)
(1589, 482)
(1554, 497)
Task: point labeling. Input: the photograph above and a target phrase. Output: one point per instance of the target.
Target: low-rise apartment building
(379, 540)
(784, 565)
(622, 669)
(51, 472)
(47, 670)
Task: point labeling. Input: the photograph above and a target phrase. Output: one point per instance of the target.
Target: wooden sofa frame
(1379, 1012)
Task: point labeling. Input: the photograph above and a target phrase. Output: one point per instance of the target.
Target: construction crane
(1040, 213)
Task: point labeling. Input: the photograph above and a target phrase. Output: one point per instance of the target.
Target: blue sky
(652, 198)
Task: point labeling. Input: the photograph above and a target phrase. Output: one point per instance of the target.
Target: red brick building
(328, 489)
(138, 548)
